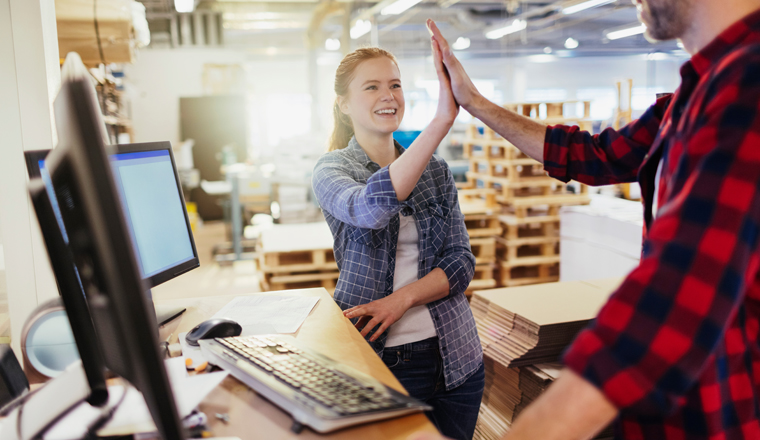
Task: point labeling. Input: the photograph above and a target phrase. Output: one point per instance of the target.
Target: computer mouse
(213, 328)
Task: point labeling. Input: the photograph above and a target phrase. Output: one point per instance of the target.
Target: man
(674, 353)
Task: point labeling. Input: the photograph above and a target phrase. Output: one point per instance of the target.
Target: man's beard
(665, 19)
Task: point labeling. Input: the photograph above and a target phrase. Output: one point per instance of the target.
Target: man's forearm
(525, 133)
(571, 408)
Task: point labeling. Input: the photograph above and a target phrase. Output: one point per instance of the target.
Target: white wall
(29, 79)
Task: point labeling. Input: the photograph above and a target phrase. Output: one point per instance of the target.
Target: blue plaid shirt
(359, 204)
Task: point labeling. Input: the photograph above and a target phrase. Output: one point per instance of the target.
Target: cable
(97, 29)
(106, 416)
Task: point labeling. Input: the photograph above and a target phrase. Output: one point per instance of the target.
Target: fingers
(367, 328)
(438, 36)
(383, 327)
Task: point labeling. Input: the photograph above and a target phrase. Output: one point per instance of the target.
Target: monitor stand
(164, 314)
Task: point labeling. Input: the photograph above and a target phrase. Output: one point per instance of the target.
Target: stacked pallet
(482, 222)
(523, 332)
(297, 257)
(528, 199)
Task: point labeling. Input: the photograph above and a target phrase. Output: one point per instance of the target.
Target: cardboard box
(76, 21)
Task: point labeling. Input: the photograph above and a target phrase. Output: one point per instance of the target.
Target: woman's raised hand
(448, 109)
(462, 87)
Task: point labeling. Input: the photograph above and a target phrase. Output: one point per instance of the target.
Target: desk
(327, 331)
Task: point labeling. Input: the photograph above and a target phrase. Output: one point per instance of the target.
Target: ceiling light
(398, 7)
(332, 44)
(680, 45)
(582, 6)
(571, 43)
(625, 32)
(462, 43)
(360, 28)
(541, 58)
(184, 5)
(516, 26)
(547, 49)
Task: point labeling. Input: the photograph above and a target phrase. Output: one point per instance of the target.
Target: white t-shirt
(416, 324)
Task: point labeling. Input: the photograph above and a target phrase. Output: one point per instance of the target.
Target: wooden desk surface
(325, 331)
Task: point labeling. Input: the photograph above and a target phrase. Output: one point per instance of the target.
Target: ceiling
(281, 26)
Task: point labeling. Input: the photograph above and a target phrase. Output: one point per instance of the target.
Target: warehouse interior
(243, 92)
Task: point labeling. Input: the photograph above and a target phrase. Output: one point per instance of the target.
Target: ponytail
(343, 129)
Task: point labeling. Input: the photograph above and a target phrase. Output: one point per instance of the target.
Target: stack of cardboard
(521, 329)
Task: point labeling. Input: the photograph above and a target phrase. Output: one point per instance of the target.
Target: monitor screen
(151, 194)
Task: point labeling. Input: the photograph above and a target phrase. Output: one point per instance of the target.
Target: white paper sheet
(265, 314)
(133, 415)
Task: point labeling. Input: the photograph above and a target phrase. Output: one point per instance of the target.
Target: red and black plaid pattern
(676, 346)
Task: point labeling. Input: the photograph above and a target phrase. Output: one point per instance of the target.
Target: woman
(400, 240)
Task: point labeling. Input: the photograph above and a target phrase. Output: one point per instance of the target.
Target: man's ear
(343, 105)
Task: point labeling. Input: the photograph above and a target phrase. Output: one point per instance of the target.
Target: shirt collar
(361, 156)
(705, 59)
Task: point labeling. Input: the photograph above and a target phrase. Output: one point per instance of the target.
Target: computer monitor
(102, 249)
(151, 194)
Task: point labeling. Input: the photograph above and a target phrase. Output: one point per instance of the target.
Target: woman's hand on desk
(383, 312)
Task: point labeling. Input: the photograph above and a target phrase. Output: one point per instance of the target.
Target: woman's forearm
(407, 169)
(431, 287)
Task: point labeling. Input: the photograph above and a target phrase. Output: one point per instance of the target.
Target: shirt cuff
(556, 152)
(380, 191)
(457, 273)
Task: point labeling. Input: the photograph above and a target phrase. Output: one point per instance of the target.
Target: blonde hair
(343, 130)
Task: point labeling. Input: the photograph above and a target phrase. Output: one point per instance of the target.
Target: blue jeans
(419, 368)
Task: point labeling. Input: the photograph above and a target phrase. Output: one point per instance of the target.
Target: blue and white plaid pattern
(358, 200)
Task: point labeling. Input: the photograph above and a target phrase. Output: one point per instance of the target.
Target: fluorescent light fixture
(547, 50)
(571, 43)
(332, 44)
(184, 5)
(657, 56)
(462, 43)
(542, 58)
(398, 7)
(680, 45)
(515, 26)
(626, 32)
(582, 6)
(360, 28)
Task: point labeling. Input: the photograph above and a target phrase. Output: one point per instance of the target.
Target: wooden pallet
(554, 110)
(484, 250)
(513, 170)
(484, 278)
(518, 228)
(327, 280)
(542, 270)
(482, 225)
(523, 251)
(477, 200)
(537, 189)
(297, 261)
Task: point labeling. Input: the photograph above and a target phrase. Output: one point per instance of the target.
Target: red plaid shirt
(676, 346)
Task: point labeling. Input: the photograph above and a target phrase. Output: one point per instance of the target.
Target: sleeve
(369, 205)
(652, 339)
(456, 260)
(606, 158)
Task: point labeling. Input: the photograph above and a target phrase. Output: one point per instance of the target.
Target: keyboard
(315, 390)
